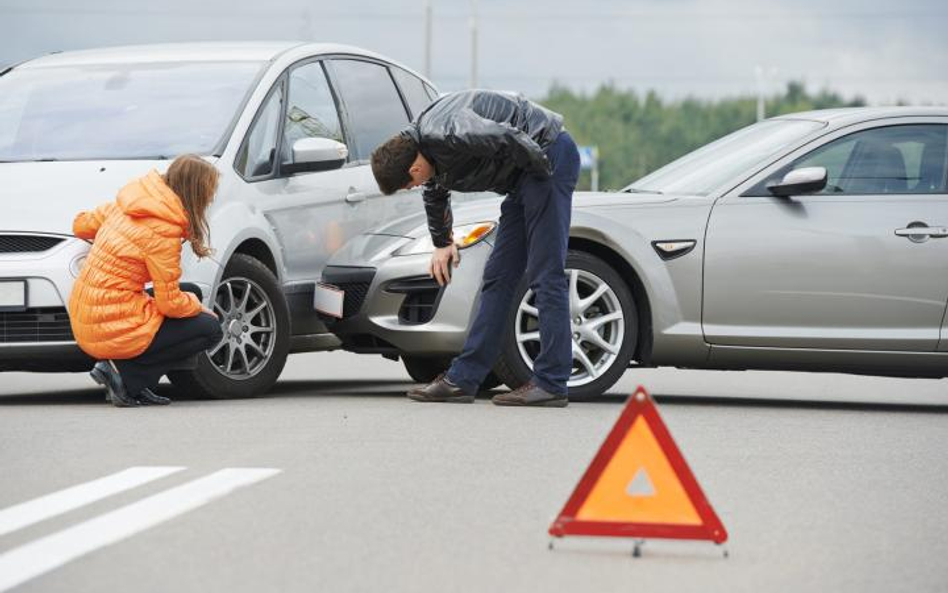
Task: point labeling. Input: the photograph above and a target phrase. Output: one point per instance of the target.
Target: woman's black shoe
(104, 373)
(150, 398)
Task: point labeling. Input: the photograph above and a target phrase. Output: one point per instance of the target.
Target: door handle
(355, 196)
(921, 232)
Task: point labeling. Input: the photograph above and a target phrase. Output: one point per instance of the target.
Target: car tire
(620, 333)
(424, 369)
(491, 382)
(256, 323)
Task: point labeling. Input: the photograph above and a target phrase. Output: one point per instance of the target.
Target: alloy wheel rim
(597, 327)
(249, 323)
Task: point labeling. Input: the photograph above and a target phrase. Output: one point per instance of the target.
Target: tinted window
(125, 111)
(375, 111)
(906, 159)
(413, 89)
(257, 156)
(310, 110)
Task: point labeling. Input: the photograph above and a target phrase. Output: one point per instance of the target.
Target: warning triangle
(638, 485)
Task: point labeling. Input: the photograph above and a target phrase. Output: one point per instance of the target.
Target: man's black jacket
(480, 141)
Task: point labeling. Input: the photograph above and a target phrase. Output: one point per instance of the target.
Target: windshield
(702, 171)
(120, 111)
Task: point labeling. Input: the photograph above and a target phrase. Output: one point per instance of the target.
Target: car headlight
(465, 236)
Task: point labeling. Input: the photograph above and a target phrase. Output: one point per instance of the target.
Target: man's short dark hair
(391, 162)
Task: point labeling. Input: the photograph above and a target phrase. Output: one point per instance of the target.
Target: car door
(838, 269)
(374, 112)
(312, 212)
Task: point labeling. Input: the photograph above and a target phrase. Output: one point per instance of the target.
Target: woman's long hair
(195, 182)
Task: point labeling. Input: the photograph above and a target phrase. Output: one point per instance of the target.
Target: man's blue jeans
(532, 238)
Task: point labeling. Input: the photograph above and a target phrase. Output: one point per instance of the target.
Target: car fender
(232, 223)
(672, 287)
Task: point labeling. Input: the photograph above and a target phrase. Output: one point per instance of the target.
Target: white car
(291, 128)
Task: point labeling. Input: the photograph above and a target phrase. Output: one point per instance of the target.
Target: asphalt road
(824, 482)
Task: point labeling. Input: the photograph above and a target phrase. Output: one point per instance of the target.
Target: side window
(833, 156)
(905, 159)
(310, 109)
(375, 110)
(257, 156)
(413, 89)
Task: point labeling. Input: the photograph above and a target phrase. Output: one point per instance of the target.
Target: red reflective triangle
(639, 485)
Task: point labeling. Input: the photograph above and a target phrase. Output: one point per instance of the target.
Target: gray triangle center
(641, 484)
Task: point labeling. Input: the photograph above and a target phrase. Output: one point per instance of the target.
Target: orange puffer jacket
(137, 239)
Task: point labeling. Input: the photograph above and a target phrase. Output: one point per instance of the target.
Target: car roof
(164, 52)
(216, 51)
(849, 115)
(193, 52)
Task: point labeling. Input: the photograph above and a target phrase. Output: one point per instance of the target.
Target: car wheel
(424, 369)
(604, 340)
(256, 324)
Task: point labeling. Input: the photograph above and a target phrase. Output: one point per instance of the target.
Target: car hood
(588, 199)
(488, 208)
(474, 208)
(46, 196)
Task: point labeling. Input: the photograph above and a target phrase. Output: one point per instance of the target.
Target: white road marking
(43, 555)
(39, 509)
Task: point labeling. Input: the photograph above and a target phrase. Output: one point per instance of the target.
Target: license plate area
(329, 300)
(12, 295)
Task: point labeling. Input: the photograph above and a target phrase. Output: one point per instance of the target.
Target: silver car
(815, 241)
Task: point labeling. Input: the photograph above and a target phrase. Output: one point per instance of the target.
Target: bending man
(490, 141)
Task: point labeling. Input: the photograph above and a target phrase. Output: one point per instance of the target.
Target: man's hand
(210, 312)
(441, 260)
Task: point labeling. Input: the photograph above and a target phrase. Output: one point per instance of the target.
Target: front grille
(354, 281)
(422, 295)
(43, 324)
(354, 297)
(27, 243)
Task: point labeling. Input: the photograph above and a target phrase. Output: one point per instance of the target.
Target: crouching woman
(137, 239)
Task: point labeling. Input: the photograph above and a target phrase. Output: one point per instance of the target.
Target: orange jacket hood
(150, 197)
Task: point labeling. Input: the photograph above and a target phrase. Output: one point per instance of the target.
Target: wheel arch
(236, 227)
(260, 251)
(254, 244)
(632, 279)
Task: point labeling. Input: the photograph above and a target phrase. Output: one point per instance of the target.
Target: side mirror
(316, 154)
(799, 181)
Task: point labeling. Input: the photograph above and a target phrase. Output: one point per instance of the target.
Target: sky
(884, 52)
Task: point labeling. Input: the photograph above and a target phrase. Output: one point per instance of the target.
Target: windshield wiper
(635, 190)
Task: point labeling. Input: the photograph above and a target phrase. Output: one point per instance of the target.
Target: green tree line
(637, 134)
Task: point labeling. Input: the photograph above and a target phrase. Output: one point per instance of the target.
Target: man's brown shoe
(529, 394)
(440, 390)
